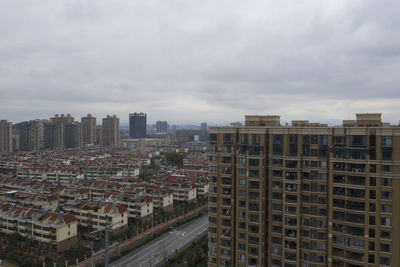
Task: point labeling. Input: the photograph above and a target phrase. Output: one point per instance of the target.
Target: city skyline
(185, 62)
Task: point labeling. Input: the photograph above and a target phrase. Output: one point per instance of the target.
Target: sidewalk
(146, 233)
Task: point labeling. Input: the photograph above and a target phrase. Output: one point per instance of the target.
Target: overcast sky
(192, 61)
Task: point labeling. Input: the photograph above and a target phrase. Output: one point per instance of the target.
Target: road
(153, 253)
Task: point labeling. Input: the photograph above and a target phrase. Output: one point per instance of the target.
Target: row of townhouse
(182, 191)
(52, 175)
(47, 230)
(29, 199)
(94, 215)
(65, 176)
(73, 193)
(139, 207)
(9, 164)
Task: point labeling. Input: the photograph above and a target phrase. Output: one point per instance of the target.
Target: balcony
(290, 256)
(291, 176)
(291, 233)
(291, 187)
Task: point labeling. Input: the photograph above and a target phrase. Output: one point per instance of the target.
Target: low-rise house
(48, 230)
(139, 207)
(95, 214)
(72, 194)
(163, 198)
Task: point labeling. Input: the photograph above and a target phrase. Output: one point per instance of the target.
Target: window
(276, 251)
(386, 141)
(213, 138)
(385, 247)
(293, 145)
(314, 139)
(386, 195)
(384, 260)
(256, 139)
(357, 140)
(386, 208)
(386, 148)
(244, 138)
(323, 140)
(228, 139)
(371, 258)
(386, 222)
(242, 182)
(386, 168)
(339, 140)
(385, 235)
(386, 182)
(306, 145)
(277, 144)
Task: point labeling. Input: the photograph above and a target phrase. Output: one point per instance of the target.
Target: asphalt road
(153, 253)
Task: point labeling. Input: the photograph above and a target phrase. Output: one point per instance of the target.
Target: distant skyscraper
(30, 135)
(6, 141)
(137, 125)
(88, 129)
(111, 131)
(62, 132)
(203, 126)
(72, 135)
(99, 135)
(162, 126)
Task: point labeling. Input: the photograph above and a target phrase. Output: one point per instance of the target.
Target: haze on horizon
(190, 61)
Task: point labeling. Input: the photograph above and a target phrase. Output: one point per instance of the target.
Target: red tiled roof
(121, 208)
(5, 207)
(69, 218)
(108, 208)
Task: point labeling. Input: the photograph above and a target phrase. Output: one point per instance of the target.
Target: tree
(174, 158)
(14, 239)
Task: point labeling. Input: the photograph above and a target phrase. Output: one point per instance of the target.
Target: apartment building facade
(56, 231)
(110, 131)
(305, 194)
(137, 125)
(62, 132)
(88, 129)
(31, 135)
(161, 126)
(6, 137)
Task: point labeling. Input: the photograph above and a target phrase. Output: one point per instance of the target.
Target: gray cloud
(192, 61)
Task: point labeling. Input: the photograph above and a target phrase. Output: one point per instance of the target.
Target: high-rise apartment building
(72, 134)
(30, 135)
(99, 135)
(204, 127)
(88, 129)
(162, 126)
(62, 132)
(137, 125)
(6, 137)
(110, 131)
(305, 194)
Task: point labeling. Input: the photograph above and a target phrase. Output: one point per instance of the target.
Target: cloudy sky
(200, 60)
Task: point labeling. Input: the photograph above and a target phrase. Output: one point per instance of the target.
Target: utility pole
(106, 241)
(91, 247)
(152, 223)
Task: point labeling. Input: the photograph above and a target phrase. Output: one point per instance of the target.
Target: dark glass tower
(137, 125)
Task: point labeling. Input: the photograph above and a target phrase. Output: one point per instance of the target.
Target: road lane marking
(151, 247)
(156, 255)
